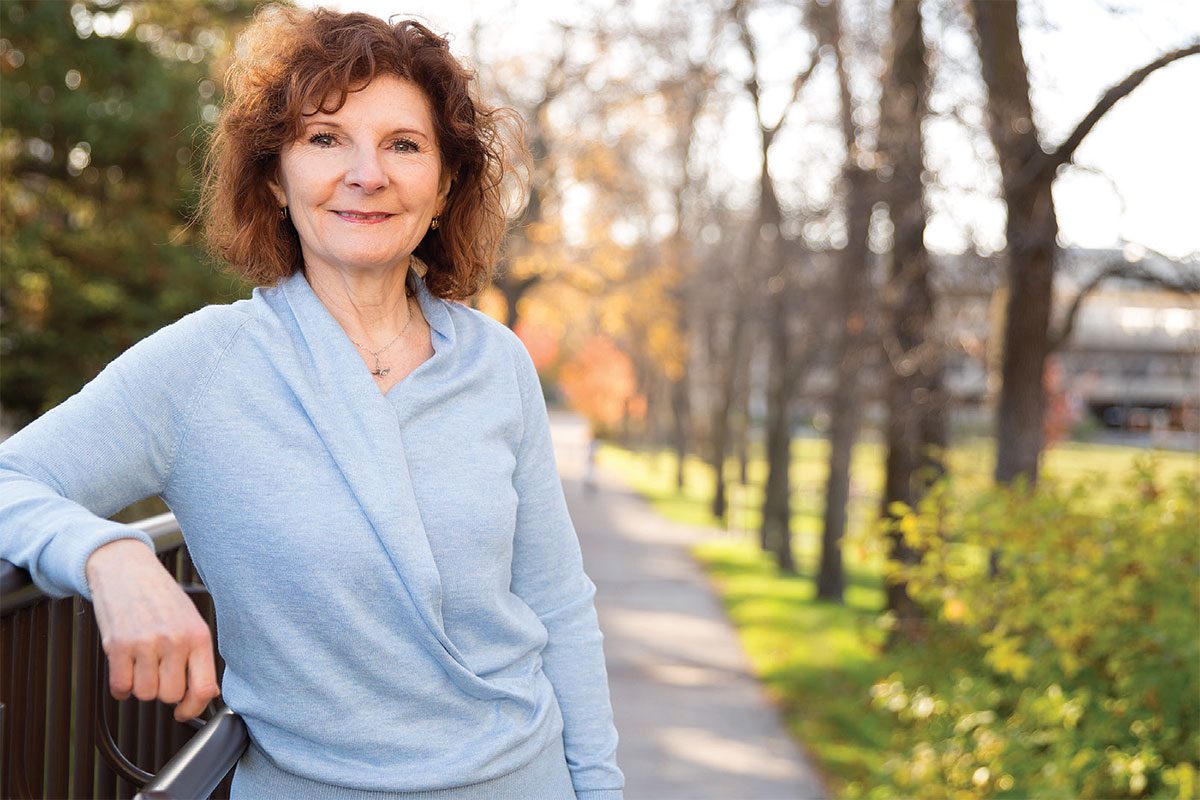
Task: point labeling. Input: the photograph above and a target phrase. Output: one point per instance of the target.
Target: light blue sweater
(400, 596)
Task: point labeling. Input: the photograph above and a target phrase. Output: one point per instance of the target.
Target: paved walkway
(694, 723)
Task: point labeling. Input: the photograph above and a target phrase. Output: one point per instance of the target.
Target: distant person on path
(361, 465)
(589, 473)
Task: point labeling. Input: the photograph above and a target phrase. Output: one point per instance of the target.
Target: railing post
(7, 649)
(83, 771)
(35, 754)
(58, 700)
(3, 767)
(19, 669)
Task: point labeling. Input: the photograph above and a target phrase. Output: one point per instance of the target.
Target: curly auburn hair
(289, 60)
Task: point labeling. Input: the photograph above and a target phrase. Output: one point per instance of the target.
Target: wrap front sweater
(401, 601)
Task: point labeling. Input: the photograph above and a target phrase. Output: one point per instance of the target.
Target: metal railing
(62, 735)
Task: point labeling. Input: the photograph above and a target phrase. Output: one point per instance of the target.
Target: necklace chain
(381, 371)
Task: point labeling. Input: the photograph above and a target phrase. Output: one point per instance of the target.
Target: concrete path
(694, 723)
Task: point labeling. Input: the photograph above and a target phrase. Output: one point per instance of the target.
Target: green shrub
(1073, 672)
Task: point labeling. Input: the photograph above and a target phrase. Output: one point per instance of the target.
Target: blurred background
(894, 304)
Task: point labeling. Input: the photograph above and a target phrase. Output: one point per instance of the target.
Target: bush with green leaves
(1074, 670)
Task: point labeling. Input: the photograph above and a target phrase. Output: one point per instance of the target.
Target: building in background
(1132, 360)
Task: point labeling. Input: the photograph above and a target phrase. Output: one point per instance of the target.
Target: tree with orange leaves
(599, 383)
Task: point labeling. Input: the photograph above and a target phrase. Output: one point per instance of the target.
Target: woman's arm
(110, 445)
(548, 575)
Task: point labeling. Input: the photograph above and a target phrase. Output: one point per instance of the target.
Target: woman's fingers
(145, 672)
(201, 681)
(120, 674)
(172, 676)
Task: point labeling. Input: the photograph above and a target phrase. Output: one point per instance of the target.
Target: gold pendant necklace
(380, 370)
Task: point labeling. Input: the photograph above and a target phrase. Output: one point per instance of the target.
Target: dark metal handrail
(208, 757)
(55, 708)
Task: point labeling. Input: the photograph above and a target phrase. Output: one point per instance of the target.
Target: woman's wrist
(118, 551)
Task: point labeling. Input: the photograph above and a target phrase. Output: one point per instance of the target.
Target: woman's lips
(364, 218)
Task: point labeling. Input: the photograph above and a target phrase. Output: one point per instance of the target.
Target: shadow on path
(694, 723)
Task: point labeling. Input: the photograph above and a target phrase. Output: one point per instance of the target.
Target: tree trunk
(776, 533)
(911, 350)
(647, 386)
(852, 290)
(720, 414)
(743, 421)
(1031, 231)
(680, 414)
(852, 287)
(680, 397)
(514, 290)
(682, 256)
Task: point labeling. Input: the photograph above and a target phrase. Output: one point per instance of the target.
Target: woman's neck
(366, 303)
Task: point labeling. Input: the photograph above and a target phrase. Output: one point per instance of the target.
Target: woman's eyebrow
(328, 123)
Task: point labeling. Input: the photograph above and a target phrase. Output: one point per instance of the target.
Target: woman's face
(362, 184)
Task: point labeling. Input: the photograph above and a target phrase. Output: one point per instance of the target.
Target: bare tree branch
(1043, 167)
(797, 86)
(739, 13)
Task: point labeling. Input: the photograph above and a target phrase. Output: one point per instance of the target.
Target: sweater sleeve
(548, 574)
(111, 444)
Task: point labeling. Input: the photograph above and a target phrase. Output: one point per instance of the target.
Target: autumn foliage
(599, 383)
(541, 343)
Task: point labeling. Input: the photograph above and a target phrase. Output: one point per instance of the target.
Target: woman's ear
(274, 183)
(444, 184)
(277, 191)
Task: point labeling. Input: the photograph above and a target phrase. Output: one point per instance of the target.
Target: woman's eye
(329, 140)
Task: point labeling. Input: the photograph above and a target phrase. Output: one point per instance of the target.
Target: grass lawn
(819, 660)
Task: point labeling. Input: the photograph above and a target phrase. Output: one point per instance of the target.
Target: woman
(362, 467)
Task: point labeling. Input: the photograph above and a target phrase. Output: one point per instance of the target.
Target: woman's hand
(158, 645)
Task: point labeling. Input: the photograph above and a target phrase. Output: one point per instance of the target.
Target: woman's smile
(364, 217)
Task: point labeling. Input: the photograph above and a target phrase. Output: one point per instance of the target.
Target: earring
(433, 223)
(283, 212)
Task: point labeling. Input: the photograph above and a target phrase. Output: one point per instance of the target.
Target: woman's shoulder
(481, 336)
(190, 346)
(475, 328)
(475, 322)
(210, 326)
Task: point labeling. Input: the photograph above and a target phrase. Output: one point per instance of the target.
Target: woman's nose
(366, 171)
